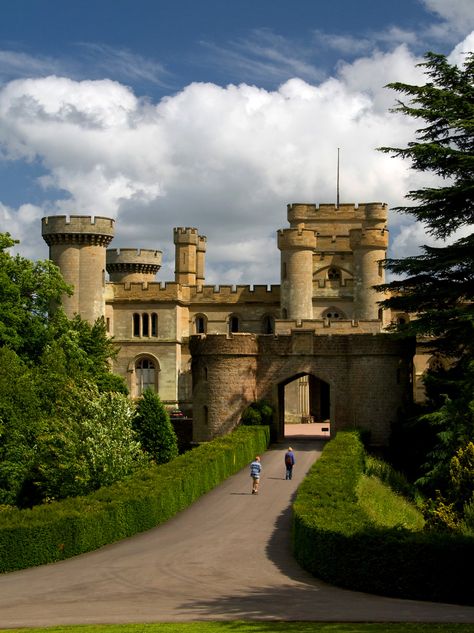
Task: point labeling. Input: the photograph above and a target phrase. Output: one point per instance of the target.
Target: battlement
(156, 291)
(201, 243)
(133, 259)
(304, 212)
(186, 235)
(369, 238)
(238, 344)
(296, 239)
(326, 326)
(63, 229)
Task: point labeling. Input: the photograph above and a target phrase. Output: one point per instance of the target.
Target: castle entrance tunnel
(304, 400)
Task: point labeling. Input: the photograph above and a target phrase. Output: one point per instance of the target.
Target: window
(234, 324)
(200, 324)
(334, 274)
(145, 325)
(333, 314)
(145, 374)
(268, 324)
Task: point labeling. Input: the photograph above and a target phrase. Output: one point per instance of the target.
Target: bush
(335, 539)
(257, 413)
(153, 426)
(149, 497)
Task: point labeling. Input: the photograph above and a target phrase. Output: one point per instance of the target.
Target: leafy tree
(259, 412)
(90, 443)
(27, 292)
(154, 428)
(21, 420)
(438, 284)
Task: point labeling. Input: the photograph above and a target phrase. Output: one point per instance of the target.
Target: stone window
(234, 324)
(333, 314)
(200, 324)
(145, 376)
(268, 324)
(334, 274)
(145, 325)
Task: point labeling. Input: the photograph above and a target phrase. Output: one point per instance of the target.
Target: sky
(212, 114)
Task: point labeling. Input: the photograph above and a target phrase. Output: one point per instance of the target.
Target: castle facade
(313, 346)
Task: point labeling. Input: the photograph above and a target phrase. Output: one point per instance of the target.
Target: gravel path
(226, 557)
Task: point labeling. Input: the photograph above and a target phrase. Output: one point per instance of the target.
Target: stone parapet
(327, 327)
(77, 229)
(224, 344)
(125, 261)
(296, 239)
(369, 238)
(187, 235)
(304, 212)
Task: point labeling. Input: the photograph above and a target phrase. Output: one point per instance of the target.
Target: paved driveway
(226, 557)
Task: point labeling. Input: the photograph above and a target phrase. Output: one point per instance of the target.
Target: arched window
(234, 324)
(268, 324)
(145, 375)
(200, 324)
(154, 324)
(136, 325)
(333, 314)
(334, 274)
(145, 325)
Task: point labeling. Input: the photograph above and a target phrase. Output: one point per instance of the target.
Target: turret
(201, 260)
(77, 245)
(297, 248)
(189, 250)
(132, 265)
(369, 245)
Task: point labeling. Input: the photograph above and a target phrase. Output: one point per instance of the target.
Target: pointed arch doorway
(304, 405)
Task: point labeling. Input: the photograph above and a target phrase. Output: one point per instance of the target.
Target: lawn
(257, 627)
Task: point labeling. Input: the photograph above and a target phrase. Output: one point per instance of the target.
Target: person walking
(289, 462)
(255, 470)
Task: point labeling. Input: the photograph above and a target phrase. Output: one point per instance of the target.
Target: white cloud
(457, 15)
(224, 159)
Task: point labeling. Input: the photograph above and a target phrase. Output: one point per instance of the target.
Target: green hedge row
(62, 529)
(336, 541)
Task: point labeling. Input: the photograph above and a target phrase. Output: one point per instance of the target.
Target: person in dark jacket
(289, 462)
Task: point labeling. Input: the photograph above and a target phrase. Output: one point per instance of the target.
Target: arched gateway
(369, 377)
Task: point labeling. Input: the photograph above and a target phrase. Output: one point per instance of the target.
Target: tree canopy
(438, 284)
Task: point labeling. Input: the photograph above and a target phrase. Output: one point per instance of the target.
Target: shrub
(153, 426)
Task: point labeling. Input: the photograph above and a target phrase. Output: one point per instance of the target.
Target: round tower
(297, 248)
(132, 265)
(186, 241)
(369, 246)
(77, 245)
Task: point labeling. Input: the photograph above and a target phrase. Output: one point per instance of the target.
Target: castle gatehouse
(314, 345)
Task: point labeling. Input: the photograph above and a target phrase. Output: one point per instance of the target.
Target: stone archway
(304, 399)
(369, 377)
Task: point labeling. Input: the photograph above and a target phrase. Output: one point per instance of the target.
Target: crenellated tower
(297, 247)
(369, 246)
(77, 245)
(190, 248)
(131, 265)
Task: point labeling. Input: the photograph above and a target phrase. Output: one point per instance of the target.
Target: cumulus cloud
(224, 159)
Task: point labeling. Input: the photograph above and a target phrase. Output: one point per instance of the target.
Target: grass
(386, 508)
(257, 627)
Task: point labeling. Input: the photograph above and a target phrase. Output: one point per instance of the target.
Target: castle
(313, 345)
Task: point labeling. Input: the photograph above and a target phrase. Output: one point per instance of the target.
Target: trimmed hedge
(66, 528)
(336, 541)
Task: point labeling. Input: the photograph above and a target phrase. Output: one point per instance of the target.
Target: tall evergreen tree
(438, 284)
(155, 431)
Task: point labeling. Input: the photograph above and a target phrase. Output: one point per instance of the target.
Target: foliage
(387, 474)
(90, 443)
(28, 290)
(21, 421)
(153, 426)
(343, 541)
(150, 496)
(437, 284)
(257, 413)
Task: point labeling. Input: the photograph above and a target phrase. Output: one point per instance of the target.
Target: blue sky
(213, 114)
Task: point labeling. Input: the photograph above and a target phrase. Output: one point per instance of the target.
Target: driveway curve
(226, 557)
